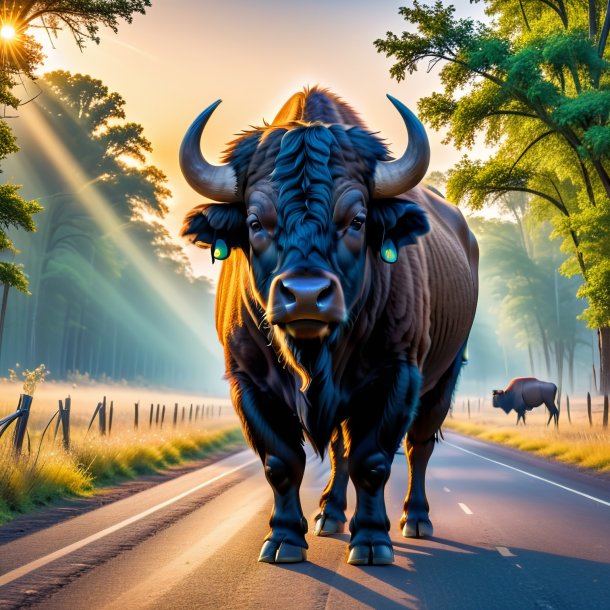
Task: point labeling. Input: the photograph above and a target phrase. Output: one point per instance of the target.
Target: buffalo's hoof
(325, 526)
(371, 554)
(417, 528)
(285, 553)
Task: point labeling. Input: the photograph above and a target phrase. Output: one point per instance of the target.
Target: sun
(7, 32)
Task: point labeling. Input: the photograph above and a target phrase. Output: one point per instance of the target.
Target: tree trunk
(603, 37)
(531, 355)
(592, 19)
(603, 335)
(3, 311)
(559, 355)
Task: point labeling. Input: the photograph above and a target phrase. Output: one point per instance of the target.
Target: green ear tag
(221, 250)
(388, 251)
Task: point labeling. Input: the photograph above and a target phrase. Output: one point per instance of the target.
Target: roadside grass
(31, 481)
(48, 473)
(575, 443)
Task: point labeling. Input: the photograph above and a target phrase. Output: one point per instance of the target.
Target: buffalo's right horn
(393, 178)
(217, 182)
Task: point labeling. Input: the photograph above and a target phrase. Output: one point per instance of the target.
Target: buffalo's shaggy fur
(405, 324)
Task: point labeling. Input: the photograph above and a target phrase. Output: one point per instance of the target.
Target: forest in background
(111, 295)
(114, 298)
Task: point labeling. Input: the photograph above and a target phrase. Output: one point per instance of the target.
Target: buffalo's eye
(255, 224)
(357, 223)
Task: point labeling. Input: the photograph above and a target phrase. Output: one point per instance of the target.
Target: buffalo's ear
(220, 227)
(394, 223)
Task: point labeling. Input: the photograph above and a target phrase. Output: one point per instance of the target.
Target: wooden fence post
(157, 416)
(162, 417)
(152, 408)
(102, 417)
(568, 407)
(25, 402)
(64, 417)
(197, 413)
(175, 422)
(110, 417)
(589, 409)
(469, 408)
(136, 415)
(191, 412)
(183, 413)
(605, 421)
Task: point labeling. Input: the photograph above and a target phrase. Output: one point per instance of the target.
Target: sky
(184, 54)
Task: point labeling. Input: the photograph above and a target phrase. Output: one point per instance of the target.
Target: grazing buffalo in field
(343, 307)
(525, 393)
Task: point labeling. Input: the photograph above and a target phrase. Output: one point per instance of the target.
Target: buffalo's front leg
(372, 448)
(275, 434)
(331, 518)
(285, 543)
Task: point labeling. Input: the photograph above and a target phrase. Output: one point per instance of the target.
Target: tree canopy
(82, 18)
(104, 271)
(535, 85)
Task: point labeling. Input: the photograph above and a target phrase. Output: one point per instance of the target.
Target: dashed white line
(465, 508)
(504, 551)
(38, 563)
(446, 489)
(529, 474)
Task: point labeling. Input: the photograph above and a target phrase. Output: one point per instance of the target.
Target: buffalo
(525, 393)
(344, 305)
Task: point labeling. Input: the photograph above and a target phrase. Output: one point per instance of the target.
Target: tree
(20, 52)
(94, 306)
(536, 84)
(15, 212)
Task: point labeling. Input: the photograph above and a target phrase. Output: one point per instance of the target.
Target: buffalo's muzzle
(306, 303)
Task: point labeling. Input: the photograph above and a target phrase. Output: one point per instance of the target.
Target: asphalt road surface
(511, 531)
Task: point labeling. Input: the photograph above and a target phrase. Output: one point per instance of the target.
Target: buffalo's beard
(317, 407)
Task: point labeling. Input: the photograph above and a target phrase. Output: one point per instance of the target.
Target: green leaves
(13, 275)
(534, 85)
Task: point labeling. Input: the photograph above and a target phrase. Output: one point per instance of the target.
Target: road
(511, 531)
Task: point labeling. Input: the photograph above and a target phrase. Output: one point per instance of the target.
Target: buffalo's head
(495, 394)
(304, 199)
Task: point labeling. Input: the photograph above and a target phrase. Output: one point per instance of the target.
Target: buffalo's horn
(217, 182)
(395, 177)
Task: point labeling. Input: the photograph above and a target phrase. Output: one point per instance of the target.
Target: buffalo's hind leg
(419, 445)
(331, 518)
(283, 459)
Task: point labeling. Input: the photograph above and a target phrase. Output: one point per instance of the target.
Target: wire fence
(103, 414)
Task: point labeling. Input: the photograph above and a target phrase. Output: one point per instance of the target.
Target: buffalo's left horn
(395, 177)
(217, 182)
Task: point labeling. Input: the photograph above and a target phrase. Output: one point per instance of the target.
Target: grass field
(47, 472)
(574, 442)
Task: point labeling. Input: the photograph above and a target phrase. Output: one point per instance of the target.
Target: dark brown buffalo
(343, 308)
(525, 393)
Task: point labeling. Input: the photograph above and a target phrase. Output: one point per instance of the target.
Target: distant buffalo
(525, 393)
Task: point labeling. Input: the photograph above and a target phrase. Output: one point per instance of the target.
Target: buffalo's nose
(297, 297)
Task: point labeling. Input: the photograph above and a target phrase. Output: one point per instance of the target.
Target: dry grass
(575, 443)
(48, 472)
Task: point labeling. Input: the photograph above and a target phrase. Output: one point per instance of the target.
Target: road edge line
(17, 573)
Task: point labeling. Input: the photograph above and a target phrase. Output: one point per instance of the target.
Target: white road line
(504, 551)
(446, 489)
(38, 563)
(465, 508)
(529, 474)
